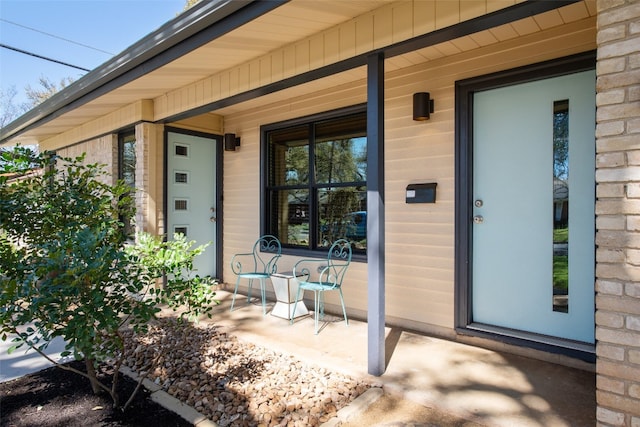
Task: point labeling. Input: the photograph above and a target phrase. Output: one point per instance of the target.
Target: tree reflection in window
(127, 156)
(127, 168)
(561, 206)
(316, 182)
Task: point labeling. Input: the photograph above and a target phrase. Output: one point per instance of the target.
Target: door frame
(218, 188)
(463, 286)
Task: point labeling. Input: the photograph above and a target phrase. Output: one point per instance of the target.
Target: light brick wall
(618, 214)
(103, 150)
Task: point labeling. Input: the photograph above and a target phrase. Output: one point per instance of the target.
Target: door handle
(212, 219)
(478, 219)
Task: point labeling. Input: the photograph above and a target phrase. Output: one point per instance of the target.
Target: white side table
(286, 289)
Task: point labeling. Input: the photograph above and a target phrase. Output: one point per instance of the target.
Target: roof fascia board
(494, 19)
(203, 23)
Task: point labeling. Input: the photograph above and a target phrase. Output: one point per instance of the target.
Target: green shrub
(68, 270)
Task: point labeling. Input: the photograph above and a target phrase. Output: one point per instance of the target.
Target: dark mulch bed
(56, 397)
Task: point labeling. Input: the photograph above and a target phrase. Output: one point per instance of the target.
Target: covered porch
(488, 387)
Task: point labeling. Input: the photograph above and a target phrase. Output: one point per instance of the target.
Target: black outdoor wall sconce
(422, 106)
(231, 142)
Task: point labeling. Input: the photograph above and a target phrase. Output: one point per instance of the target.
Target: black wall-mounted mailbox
(421, 193)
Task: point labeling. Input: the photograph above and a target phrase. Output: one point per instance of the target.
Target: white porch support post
(375, 213)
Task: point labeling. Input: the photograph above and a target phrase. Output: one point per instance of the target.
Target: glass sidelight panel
(561, 206)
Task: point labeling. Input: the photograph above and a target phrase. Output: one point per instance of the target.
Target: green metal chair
(258, 264)
(331, 273)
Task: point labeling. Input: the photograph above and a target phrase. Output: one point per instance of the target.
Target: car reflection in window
(353, 226)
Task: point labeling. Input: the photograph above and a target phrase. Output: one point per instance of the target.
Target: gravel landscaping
(235, 383)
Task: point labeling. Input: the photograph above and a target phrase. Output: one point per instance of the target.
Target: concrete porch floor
(484, 386)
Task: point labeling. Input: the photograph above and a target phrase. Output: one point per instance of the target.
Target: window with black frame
(316, 175)
(127, 158)
(127, 166)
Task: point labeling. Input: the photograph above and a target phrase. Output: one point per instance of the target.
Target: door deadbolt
(478, 203)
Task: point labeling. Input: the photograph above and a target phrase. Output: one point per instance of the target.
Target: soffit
(287, 24)
(554, 18)
(528, 26)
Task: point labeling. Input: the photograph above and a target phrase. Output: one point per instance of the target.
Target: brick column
(149, 177)
(618, 214)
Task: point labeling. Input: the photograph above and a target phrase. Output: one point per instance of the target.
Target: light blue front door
(533, 195)
(191, 197)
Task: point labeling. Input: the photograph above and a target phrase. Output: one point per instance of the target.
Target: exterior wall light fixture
(422, 106)
(231, 141)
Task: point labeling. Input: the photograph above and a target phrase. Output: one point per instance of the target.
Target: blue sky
(103, 25)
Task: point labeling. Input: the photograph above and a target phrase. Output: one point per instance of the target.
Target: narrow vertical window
(127, 168)
(127, 157)
(561, 206)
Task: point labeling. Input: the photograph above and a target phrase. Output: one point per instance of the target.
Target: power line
(54, 36)
(42, 57)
